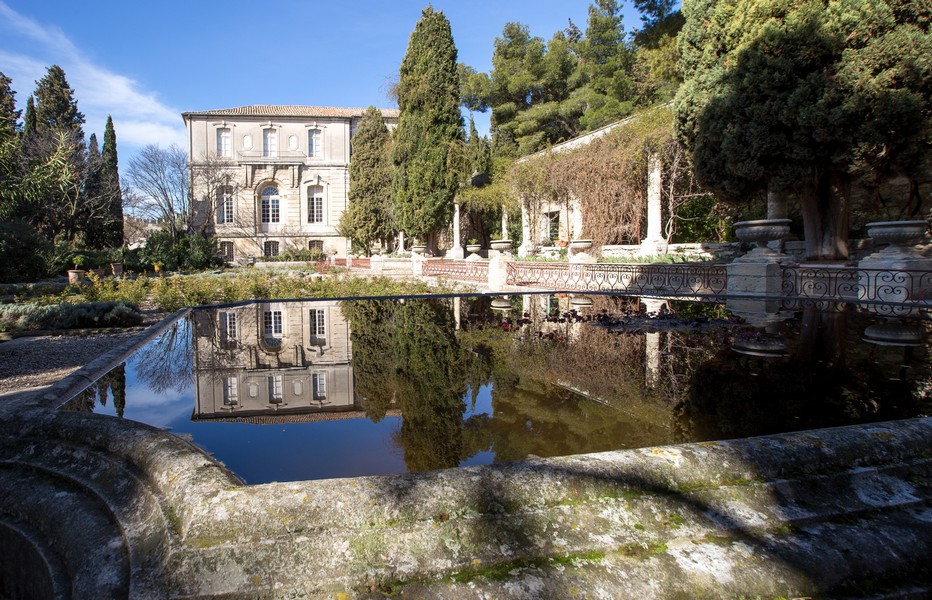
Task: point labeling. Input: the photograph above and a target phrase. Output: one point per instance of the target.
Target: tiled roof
(268, 110)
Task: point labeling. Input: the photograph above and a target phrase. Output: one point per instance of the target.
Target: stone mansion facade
(266, 179)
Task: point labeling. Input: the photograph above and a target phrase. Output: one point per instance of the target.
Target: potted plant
(76, 275)
(117, 263)
(419, 247)
(473, 246)
(501, 245)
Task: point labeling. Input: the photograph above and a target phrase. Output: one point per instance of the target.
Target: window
(270, 208)
(228, 329)
(224, 148)
(226, 250)
(270, 249)
(313, 143)
(319, 382)
(275, 389)
(316, 245)
(315, 204)
(225, 205)
(317, 320)
(272, 326)
(269, 142)
(230, 393)
(553, 225)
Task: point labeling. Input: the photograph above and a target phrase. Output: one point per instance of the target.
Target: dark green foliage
(9, 116)
(56, 107)
(429, 127)
(192, 251)
(110, 180)
(809, 97)
(368, 219)
(30, 317)
(29, 121)
(22, 250)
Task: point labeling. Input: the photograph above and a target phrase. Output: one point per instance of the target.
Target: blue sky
(146, 62)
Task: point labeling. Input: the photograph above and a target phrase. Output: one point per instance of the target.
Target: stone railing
(459, 270)
(678, 280)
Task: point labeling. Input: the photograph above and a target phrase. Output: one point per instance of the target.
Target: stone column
(504, 224)
(457, 319)
(527, 235)
(654, 242)
(401, 242)
(652, 344)
(457, 250)
(577, 218)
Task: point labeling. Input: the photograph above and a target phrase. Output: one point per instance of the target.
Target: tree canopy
(368, 217)
(429, 127)
(807, 97)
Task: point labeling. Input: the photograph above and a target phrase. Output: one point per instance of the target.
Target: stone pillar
(652, 343)
(504, 224)
(457, 250)
(457, 319)
(576, 217)
(654, 242)
(498, 272)
(401, 242)
(417, 264)
(528, 242)
(377, 264)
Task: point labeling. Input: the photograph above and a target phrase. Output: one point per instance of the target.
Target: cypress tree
(110, 179)
(429, 127)
(29, 122)
(56, 107)
(9, 116)
(367, 219)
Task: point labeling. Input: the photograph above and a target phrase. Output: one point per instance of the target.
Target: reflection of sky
(483, 402)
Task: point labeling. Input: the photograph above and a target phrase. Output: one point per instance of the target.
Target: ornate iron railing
(675, 280)
(459, 270)
(898, 287)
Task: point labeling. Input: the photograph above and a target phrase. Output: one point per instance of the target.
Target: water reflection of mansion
(273, 359)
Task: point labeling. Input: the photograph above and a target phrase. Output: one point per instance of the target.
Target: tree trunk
(825, 219)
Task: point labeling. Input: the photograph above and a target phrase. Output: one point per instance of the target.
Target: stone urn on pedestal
(762, 232)
(578, 252)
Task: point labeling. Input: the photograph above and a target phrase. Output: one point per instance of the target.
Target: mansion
(266, 179)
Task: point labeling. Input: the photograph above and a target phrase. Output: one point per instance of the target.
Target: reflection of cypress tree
(118, 388)
(407, 353)
(431, 362)
(374, 363)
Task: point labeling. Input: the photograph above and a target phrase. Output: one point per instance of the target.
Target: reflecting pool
(288, 391)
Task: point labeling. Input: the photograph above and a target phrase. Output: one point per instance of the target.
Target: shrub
(30, 317)
(23, 251)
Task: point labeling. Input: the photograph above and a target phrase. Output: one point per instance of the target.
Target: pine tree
(9, 116)
(367, 219)
(608, 66)
(56, 107)
(110, 179)
(429, 126)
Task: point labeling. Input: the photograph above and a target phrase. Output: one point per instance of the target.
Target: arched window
(270, 208)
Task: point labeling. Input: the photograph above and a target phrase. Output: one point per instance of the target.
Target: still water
(289, 391)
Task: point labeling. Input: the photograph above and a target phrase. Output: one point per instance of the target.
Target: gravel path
(30, 362)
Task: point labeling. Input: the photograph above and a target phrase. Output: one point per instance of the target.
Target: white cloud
(139, 117)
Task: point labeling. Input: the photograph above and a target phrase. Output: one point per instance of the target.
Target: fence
(692, 280)
(458, 270)
(870, 286)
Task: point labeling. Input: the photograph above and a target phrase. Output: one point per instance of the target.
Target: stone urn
(893, 332)
(375, 251)
(501, 245)
(75, 276)
(580, 302)
(419, 249)
(473, 248)
(580, 244)
(761, 232)
(900, 235)
(501, 304)
(764, 347)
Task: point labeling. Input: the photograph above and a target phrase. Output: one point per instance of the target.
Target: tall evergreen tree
(56, 107)
(9, 116)
(429, 127)
(608, 62)
(110, 178)
(367, 219)
(30, 124)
